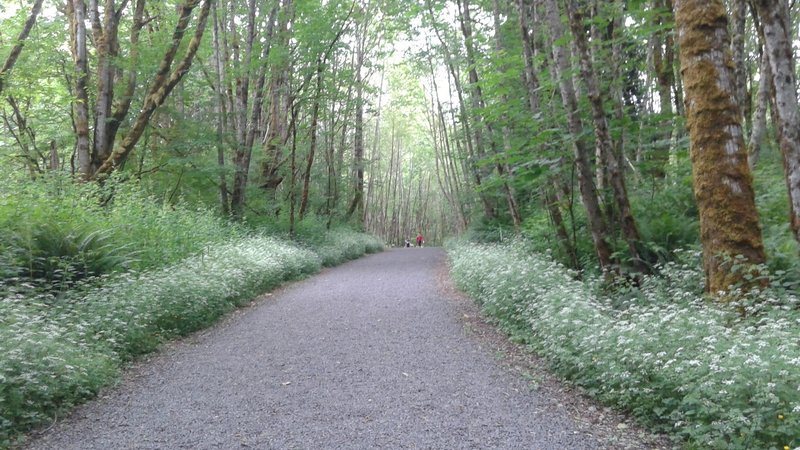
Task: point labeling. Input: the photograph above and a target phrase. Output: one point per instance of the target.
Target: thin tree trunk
(738, 23)
(279, 109)
(581, 153)
(472, 154)
(534, 102)
(357, 204)
(312, 148)
(502, 168)
(760, 113)
(778, 37)
(163, 84)
(603, 141)
(293, 177)
(76, 9)
(221, 113)
(729, 224)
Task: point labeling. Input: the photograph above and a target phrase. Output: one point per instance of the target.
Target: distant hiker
(420, 240)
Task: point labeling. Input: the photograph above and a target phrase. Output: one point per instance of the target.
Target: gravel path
(367, 355)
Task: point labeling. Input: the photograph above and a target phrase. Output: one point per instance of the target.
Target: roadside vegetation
(85, 288)
(712, 375)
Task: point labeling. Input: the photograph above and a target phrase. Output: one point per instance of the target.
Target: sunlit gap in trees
(405, 181)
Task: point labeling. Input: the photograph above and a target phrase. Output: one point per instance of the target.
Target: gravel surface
(377, 353)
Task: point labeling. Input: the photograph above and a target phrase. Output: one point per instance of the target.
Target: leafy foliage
(56, 233)
(705, 373)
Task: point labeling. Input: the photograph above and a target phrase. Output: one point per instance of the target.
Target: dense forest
(569, 123)
(615, 136)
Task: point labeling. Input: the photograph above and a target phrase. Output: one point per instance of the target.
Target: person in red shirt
(420, 240)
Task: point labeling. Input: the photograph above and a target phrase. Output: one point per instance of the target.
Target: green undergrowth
(55, 233)
(93, 275)
(703, 372)
(337, 246)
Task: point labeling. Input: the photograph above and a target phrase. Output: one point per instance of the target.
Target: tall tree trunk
(534, 102)
(502, 167)
(247, 130)
(221, 113)
(476, 97)
(663, 62)
(603, 141)
(107, 49)
(357, 204)
(243, 70)
(729, 224)
(738, 23)
(312, 147)
(277, 133)
(293, 176)
(778, 37)
(581, 153)
(164, 82)
(760, 113)
(473, 155)
(76, 10)
(11, 59)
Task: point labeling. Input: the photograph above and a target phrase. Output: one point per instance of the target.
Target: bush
(57, 353)
(338, 246)
(698, 370)
(54, 232)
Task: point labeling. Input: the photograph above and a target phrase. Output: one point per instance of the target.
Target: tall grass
(705, 373)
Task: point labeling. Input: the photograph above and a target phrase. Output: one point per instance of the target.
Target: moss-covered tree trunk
(723, 186)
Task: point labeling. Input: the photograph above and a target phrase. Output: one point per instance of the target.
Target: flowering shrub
(698, 370)
(57, 352)
(338, 246)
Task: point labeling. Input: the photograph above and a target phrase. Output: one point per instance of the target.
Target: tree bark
(760, 113)
(778, 36)
(357, 204)
(729, 224)
(277, 134)
(502, 167)
(243, 70)
(312, 147)
(76, 10)
(489, 209)
(738, 23)
(603, 141)
(163, 84)
(581, 153)
(220, 111)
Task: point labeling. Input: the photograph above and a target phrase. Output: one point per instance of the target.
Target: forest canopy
(581, 124)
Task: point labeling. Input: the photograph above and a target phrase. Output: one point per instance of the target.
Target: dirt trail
(364, 356)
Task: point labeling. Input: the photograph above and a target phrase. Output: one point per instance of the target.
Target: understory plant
(60, 348)
(341, 245)
(699, 370)
(55, 233)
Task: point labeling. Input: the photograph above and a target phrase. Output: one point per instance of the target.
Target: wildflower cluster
(58, 351)
(701, 371)
(338, 246)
